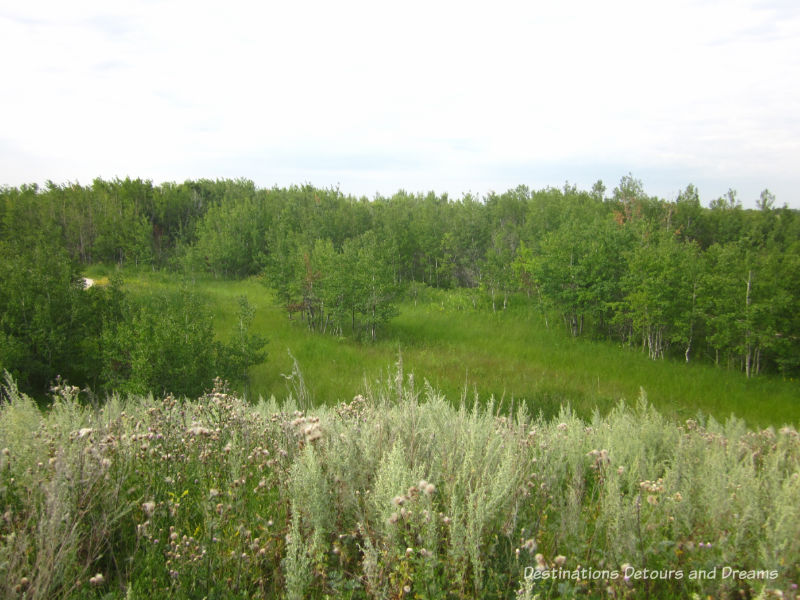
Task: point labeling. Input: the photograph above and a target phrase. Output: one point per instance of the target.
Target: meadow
(463, 352)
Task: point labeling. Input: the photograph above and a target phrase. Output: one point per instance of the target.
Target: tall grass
(398, 493)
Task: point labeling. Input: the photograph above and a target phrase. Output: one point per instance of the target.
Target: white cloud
(450, 96)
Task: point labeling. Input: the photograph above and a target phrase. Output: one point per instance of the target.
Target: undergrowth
(398, 493)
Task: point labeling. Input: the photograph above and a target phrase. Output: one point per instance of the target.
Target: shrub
(395, 494)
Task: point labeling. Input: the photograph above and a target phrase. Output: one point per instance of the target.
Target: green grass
(510, 355)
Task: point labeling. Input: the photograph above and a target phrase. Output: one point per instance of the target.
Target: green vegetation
(536, 313)
(509, 354)
(397, 493)
(672, 280)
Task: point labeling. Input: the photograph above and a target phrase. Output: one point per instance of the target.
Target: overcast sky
(418, 95)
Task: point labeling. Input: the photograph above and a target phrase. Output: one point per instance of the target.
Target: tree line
(671, 277)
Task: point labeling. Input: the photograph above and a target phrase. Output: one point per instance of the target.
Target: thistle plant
(395, 494)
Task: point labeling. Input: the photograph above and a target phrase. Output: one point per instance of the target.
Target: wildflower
(541, 565)
(652, 500)
(429, 489)
(530, 545)
(97, 579)
(213, 493)
(398, 500)
(198, 430)
(6, 451)
(82, 433)
(677, 497)
(562, 427)
(149, 508)
(409, 551)
(560, 560)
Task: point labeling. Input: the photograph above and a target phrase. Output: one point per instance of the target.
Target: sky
(373, 97)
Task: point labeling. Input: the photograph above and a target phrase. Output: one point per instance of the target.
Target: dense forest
(674, 278)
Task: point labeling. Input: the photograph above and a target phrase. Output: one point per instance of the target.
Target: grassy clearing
(510, 355)
(399, 493)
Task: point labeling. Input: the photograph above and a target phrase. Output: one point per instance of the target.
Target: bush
(395, 494)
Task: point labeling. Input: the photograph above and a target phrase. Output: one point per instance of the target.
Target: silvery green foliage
(395, 493)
